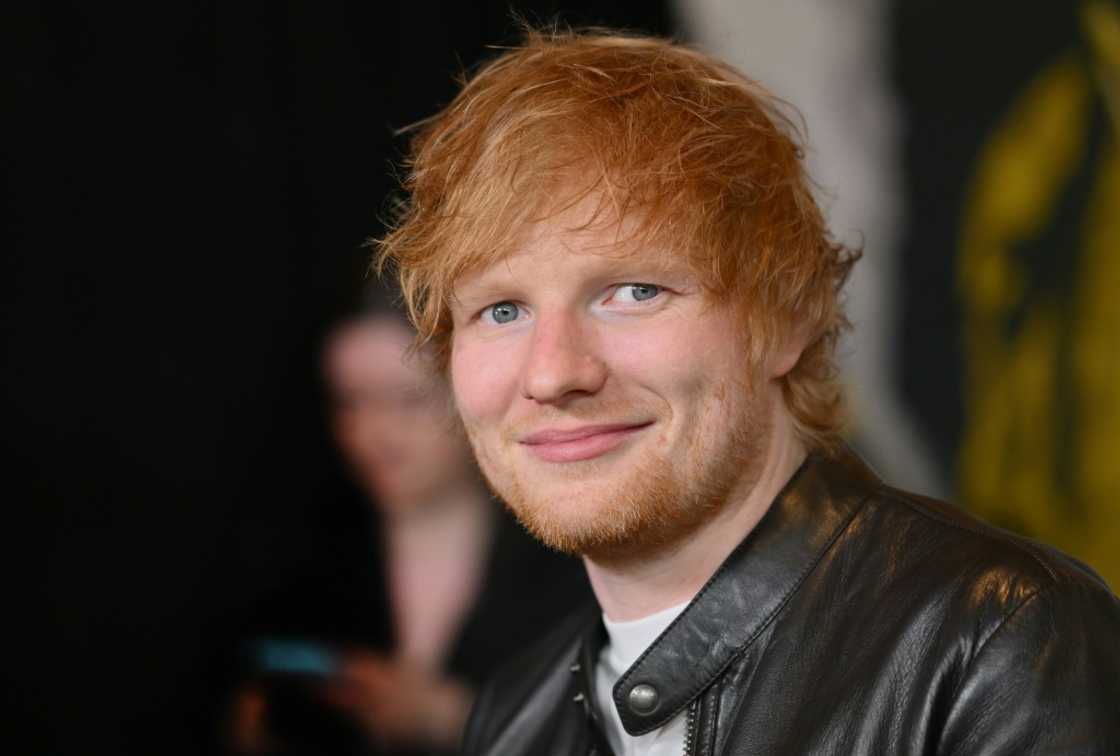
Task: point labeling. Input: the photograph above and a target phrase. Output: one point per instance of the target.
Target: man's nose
(563, 360)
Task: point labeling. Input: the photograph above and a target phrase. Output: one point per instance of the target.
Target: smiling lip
(577, 444)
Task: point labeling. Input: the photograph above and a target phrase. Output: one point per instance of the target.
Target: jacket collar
(747, 591)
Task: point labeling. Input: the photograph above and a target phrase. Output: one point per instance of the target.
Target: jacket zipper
(690, 728)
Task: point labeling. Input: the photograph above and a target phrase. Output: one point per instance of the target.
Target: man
(611, 246)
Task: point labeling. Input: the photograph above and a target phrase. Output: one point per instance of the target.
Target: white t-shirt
(627, 641)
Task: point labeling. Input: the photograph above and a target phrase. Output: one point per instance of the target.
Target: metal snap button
(644, 698)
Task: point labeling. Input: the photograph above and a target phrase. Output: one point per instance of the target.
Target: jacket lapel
(749, 590)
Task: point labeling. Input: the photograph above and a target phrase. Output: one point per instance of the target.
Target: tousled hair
(700, 161)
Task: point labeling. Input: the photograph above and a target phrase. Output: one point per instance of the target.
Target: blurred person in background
(461, 578)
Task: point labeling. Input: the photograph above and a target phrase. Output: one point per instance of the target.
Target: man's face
(607, 398)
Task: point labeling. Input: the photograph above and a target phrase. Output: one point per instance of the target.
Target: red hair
(702, 161)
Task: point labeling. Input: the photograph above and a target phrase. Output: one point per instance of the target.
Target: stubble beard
(656, 505)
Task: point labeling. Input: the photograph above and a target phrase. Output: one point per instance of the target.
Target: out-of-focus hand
(396, 702)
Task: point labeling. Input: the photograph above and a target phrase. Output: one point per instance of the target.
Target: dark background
(188, 189)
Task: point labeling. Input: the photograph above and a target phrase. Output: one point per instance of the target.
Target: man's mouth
(580, 443)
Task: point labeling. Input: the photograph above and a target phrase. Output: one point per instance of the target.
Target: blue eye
(503, 312)
(637, 292)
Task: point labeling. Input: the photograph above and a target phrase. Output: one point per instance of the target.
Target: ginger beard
(612, 510)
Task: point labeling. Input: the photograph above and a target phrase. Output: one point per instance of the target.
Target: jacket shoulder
(1025, 636)
(983, 583)
(527, 687)
(958, 541)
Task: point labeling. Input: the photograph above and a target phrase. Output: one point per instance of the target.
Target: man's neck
(645, 585)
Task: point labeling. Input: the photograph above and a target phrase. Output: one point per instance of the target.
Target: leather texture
(854, 619)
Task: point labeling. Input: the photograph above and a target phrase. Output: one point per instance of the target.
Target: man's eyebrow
(490, 284)
(499, 282)
(634, 269)
(476, 294)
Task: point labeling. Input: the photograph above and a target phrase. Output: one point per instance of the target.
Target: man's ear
(788, 351)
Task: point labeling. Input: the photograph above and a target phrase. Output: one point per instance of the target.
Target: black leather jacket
(854, 619)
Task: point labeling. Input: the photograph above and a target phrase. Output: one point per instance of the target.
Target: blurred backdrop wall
(188, 186)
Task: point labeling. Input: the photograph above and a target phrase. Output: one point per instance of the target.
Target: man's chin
(611, 514)
(570, 536)
(608, 536)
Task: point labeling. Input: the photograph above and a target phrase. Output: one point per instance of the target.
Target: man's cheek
(466, 385)
(483, 378)
(476, 407)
